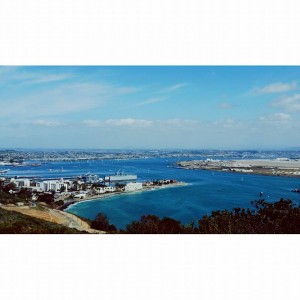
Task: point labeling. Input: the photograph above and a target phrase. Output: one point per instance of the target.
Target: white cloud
(179, 123)
(228, 126)
(23, 76)
(159, 99)
(49, 103)
(45, 123)
(152, 100)
(281, 116)
(167, 90)
(174, 88)
(278, 117)
(46, 78)
(127, 90)
(226, 105)
(62, 99)
(130, 122)
(278, 87)
(290, 104)
(92, 123)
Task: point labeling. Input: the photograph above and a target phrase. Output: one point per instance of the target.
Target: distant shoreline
(267, 167)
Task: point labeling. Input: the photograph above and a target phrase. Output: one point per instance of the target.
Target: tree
(62, 189)
(266, 218)
(147, 224)
(8, 187)
(25, 194)
(101, 222)
(152, 224)
(47, 198)
(59, 202)
(169, 225)
(97, 185)
(75, 185)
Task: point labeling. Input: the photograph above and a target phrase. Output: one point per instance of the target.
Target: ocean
(206, 190)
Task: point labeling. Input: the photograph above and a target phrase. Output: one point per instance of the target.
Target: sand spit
(270, 167)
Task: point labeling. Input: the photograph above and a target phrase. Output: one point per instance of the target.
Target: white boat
(4, 171)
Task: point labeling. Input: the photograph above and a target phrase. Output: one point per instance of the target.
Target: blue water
(206, 191)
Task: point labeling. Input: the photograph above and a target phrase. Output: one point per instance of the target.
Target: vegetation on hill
(264, 218)
(282, 217)
(152, 224)
(9, 195)
(14, 222)
(101, 223)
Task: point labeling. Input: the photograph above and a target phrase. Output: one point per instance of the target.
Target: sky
(195, 107)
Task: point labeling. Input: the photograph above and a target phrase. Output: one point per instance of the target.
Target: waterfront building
(133, 186)
(120, 178)
(80, 196)
(90, 178)
(109, 189)
(54, 185)
(106, 189)
(25, 183)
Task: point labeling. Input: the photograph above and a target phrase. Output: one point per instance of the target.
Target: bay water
(205, 190)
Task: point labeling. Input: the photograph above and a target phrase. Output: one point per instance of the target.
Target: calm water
(207, 191)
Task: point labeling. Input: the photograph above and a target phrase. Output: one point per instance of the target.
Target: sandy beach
(270, 167)
(145, 188)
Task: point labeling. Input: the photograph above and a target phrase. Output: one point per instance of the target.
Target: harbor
(203, 191)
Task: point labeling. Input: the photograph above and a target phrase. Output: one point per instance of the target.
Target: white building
(91, 178)
(133, 186)
(38, 187)
(53, 185)
(21, 182)
(106, 189)
(79, 196)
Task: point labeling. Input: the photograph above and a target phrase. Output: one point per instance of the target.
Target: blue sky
(150, 107)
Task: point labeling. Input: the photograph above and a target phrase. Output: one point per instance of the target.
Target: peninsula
(271, 167)
(47, 199)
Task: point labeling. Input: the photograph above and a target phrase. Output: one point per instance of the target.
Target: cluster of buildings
(60, 185)
(89, 185)
(80, 187)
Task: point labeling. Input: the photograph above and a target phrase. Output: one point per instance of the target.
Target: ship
(4, 171)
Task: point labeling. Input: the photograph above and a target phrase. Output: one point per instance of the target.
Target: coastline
(109, 195)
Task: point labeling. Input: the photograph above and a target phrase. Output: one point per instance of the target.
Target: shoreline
(110, 195)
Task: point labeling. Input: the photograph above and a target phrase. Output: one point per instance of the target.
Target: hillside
(14, 222)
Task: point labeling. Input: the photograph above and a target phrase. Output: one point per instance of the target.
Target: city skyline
(150, 107)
